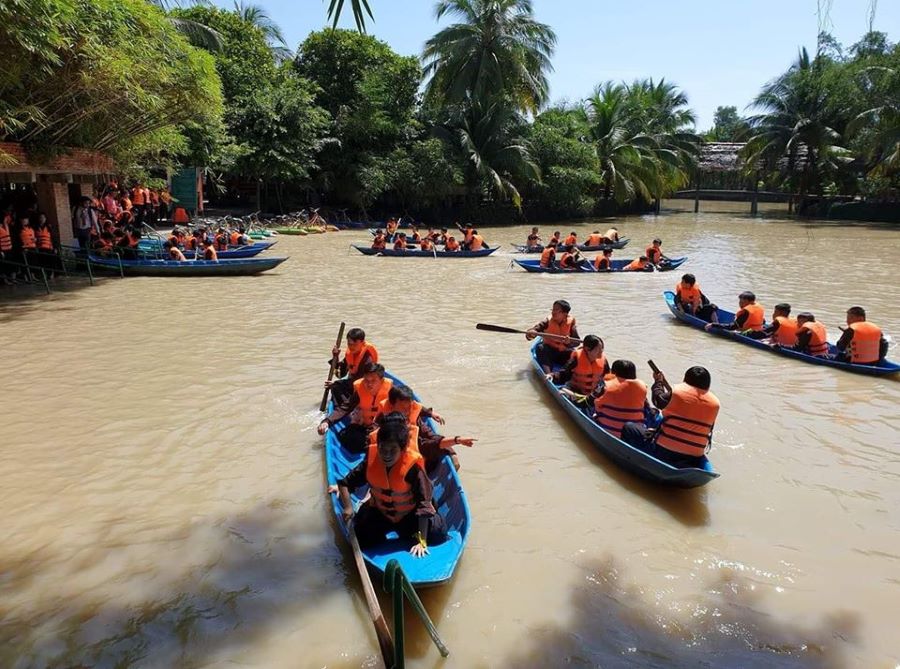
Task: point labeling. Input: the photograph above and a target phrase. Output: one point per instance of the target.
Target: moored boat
(884, 368)
(585, 267)
(439, 564)
(418, 253)
(235, 267)
(625, 455)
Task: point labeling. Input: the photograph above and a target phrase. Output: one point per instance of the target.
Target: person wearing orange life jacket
(621, 399)
(180, 216)
(415, 236)
(173, 252)
(379, 241)
(359, 355)
(548, 255)
(611, 235)
(585, 369)
(782, 331)
(751, 317)
(153, 207)
(691, 300)
(594, 239)
(638, 265)
(442, 237)
(452, 245)
(533, 240)
(401, 493)
(44, 235)
(209, 252)
(430, 444)
(812, 338)
(426, 244)
(367, 394)
(862, 343)
(235, 238)
(467, 231)
(221, 242)
(603, 263)
(571, 239)
(138, 201)
(689, 412)
(555, 350)
(654, 252)
(400, 243)
(570, 259)
(27, 238)
(7, 269)
(476, 241)
(556, 238)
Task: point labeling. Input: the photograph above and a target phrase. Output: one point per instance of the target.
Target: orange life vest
(818, 340)
(467, 234)
(570, 239)
(688, 421)
(586, 374)
(378, 242)
(27, 238)
(865, 347)
(567, 260)
(190, 243)
(547, 256)
(137, 196)
(635, 265)
(601, 263)
(476, 243)
(426, 244)
(368, 402)
(415, 410)
(622, 402)
(235, 238)
(353, 360)
(690, 296)
(5, 237)
(400, 244)
(653, 254)
(180, 215)
(594, 239)
(210, 253)
(173, 240)
(391, 494)
(391, 227)
(44, 239)
(451, 245)
(412, 442)
(756, 317)
(563, 330)
(221, 242)
(786, 334)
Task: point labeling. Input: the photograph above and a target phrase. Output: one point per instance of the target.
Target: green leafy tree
(498, 49)
(728, 126)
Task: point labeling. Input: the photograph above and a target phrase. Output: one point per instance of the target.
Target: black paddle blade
(497, 328)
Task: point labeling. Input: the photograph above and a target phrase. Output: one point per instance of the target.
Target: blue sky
(720, 52)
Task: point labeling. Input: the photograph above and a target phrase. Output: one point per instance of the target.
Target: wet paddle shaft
(500, 328)
(334, 364)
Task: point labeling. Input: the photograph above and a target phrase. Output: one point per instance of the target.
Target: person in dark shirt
(556, 349)
(405, 506)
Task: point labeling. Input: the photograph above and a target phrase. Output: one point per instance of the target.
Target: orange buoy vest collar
(353, 360)
(586, 374)
(601, 263)
(622, 402)
(5, 237)
(688, 421)
(385, 407)
(412, 442)
(865, 347)
(391, 494)
(594, 239)
(564, 330)
(689, 295)
(44, 240)
(786, 334)
(368, 402)
(756, 316)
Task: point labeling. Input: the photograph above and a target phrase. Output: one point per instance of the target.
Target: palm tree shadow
(255, 566)
(620, 626)
(686, 506)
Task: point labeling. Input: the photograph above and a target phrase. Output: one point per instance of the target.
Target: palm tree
(360, 9)
(793, 126)
(628, 167)
(879, 126)
(257, 16)
(497, 49)
(493, 150)
(196, 33)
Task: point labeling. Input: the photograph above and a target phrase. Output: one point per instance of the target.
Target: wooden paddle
(499, 328)
(381, 629)
(334, 363)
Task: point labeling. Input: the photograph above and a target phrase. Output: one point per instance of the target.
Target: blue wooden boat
(449, 499)
(884, 368)
(625, 455)
(239, 252)
(235, 267)
(621, 244)
(418, 253)
(586, 267)
(246, 251)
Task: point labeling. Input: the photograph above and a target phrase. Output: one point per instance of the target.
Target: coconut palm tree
(496, 156)
(497, 50)
(360, 10)
(196, 33)
(879, 126)
(257, 16)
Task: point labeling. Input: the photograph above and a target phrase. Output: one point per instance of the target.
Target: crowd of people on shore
(861, 342)
(400, 448)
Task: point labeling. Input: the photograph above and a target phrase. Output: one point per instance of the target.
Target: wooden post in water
(754, 203)
(697, 195)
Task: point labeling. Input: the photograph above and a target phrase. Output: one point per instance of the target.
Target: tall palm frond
(360, 10)
(196, 33)
(257, 17)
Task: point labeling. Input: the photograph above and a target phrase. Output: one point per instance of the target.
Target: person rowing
(571, 258)
(689, 413)
(751, 317)
(401, 498)
(594, 239)
(555, 349)
(442, 238)
(379, 241)
(654, 253)
(368, 392)
(548, 255)
(691, 300)
(467, 231)
(358, 356)
(400, 243)
(584, 371)
(533, 241)
(812, 337)
(603, 262)
(452, 245)
(621, 399)
(863, 342)
(431, 445)
(782, 331)
(476, 241)
(427, 244)
(641, 264)
(611, 235)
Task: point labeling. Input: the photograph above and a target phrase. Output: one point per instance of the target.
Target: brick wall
(74, 161)
(53, 200)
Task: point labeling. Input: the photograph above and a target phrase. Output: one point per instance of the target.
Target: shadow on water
(20, 300)
(255, 567)
(686, 506)
(616, 625)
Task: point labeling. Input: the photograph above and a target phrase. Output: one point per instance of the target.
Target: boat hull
(408, 253)
(534, 267)
(174, 268)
